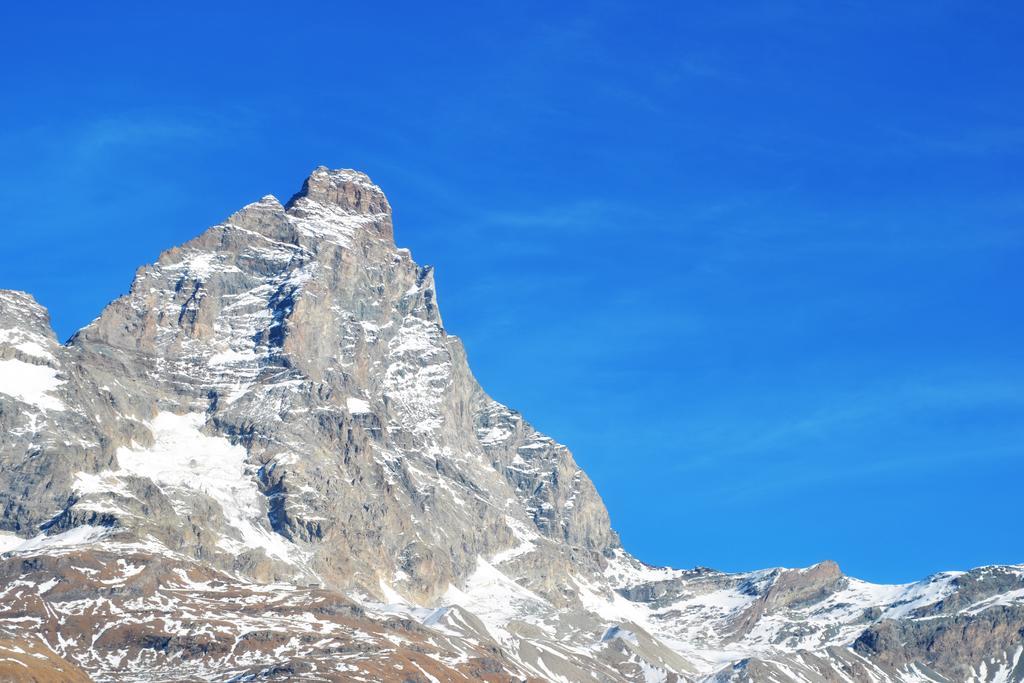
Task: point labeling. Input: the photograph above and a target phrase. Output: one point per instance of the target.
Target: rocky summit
(269, 460)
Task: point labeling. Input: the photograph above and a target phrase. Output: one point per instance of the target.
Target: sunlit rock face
(276, 416)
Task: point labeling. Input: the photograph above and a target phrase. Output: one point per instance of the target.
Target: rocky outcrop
(45, 433)
(785, 589)
(953, 646)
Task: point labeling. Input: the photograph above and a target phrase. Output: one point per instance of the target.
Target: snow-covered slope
(270, 459)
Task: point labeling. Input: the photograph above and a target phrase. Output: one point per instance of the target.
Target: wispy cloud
(103, 136)
(585, 215)
(759, 444)
(971, 141)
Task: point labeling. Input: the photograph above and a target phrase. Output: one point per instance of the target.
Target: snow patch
(80, 535)
(495, 598)
(183, 460)
(32, 384)
(29, 343)
(358, 406)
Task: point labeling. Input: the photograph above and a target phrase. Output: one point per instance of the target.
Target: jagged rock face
(44, 439)
(980, 621)
(277, 400)
(303, 336)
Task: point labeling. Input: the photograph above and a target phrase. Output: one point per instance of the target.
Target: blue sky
(758, 264)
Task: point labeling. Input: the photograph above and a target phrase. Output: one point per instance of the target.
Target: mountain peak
(20, 309)
(272, 431)
(349, 189)
(18, 296)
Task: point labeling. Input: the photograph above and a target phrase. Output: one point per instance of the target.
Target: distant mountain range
(271, 461)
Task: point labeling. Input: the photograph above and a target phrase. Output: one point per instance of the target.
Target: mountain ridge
(276, 402)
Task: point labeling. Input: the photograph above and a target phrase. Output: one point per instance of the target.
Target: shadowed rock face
(277, 402)
(980, 619)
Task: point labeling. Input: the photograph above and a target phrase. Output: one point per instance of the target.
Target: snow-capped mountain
(270, 461)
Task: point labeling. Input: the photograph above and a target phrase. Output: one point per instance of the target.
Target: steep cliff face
(45, 435)
(277, 402)
(353, 444)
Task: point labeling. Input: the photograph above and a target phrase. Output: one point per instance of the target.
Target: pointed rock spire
(351, 190)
